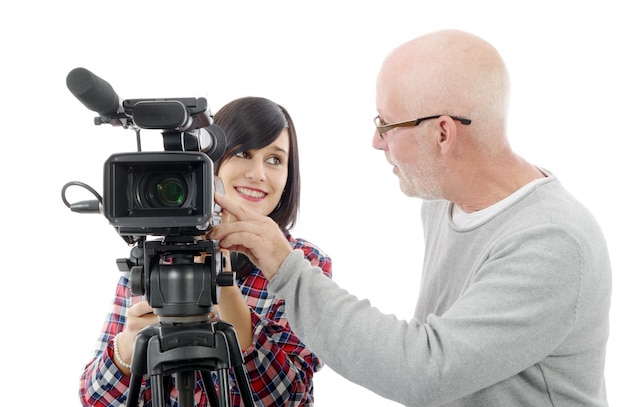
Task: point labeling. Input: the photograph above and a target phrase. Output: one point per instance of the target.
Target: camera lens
(166, 191)
(156, 193)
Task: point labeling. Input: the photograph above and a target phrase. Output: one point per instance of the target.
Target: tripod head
(166, 273)
(182, 293)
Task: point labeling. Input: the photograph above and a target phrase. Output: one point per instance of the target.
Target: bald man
(513, 307)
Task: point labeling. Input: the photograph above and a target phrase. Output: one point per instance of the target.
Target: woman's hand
(139, 316)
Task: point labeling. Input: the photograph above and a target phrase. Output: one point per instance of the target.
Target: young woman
(260, 169)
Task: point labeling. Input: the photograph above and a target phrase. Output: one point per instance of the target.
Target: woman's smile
(251, 194)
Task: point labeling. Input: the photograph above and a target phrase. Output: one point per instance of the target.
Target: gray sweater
(511, 312)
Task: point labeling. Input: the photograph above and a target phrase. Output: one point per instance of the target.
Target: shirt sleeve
(279, 365)
(101, 383)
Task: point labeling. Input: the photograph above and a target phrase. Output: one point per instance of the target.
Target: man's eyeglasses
(383, 127)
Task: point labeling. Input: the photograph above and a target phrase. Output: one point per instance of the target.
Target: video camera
(167, 193)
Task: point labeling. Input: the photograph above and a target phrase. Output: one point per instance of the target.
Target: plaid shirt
(279, 366)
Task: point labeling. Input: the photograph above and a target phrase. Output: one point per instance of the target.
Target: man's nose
(378, 141)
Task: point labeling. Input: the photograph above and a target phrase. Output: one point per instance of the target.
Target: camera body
(159, 193)
(168, 193)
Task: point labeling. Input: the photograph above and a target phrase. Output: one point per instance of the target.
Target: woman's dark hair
(251, 123)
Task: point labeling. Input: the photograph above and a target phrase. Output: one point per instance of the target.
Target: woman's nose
(255, 170)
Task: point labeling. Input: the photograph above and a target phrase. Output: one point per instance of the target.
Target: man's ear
(447, 134)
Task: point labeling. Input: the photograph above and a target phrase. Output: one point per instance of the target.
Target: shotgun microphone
(93, 92)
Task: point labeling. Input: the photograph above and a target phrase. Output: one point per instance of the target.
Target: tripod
(185, 341)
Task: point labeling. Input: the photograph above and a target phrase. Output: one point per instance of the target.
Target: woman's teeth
(250, 192)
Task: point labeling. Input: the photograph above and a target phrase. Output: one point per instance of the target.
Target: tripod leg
(222, 379)
(138, 364)
(244, 388)
(209, 388)
(186, 384)
(158, 391)
(133, 390)
(237, 362)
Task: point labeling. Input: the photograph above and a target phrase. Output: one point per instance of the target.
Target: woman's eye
(274, 160)
(242, 154)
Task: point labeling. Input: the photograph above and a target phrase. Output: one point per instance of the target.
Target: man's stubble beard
(420, 179)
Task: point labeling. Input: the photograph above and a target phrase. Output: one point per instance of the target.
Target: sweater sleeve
(494, 330)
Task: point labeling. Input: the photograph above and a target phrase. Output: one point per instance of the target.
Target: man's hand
(254, 235)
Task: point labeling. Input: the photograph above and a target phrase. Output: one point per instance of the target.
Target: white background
(567, 62)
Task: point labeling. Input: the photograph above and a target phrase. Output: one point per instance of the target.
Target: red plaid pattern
(279, 366)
